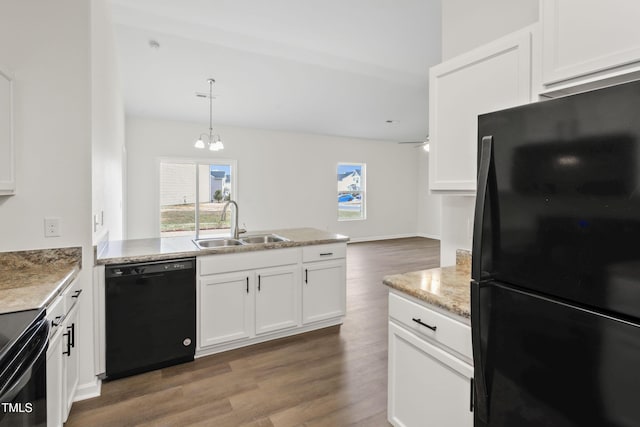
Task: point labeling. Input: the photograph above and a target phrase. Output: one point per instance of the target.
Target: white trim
(88, 390)
(429, 236)
(387, 237)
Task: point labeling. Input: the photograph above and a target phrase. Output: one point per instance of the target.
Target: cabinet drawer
(324, 252)
(226, 263)
(448, 332)
(71, 295)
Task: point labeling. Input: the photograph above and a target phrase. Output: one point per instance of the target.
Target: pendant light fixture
(213, 141)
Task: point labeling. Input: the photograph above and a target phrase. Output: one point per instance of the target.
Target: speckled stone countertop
(32, 279)
(445, 287)
(143, 250)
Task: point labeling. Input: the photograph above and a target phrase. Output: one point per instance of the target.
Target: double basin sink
(222, 242)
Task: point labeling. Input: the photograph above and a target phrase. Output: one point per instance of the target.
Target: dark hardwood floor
(333, 377)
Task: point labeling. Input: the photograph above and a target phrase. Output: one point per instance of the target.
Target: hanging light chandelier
(212, 141)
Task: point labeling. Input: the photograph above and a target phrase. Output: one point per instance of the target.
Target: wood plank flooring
(333, 377)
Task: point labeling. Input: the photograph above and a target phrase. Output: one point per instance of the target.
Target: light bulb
(219, 145)
(199, 143)
(212, 146)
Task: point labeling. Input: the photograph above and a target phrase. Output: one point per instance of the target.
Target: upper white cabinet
(492, 77)
(583, 39)
(7, 161)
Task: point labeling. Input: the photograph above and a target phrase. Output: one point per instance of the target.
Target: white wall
(46, 44)
(467, 24)
(107, 125)
(285, 179)
(429, 205)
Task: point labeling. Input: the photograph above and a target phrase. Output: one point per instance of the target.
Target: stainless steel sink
(217, 243)
(262, 238)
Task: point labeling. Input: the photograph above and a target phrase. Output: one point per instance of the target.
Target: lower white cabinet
(324, 290)
(250, 297)
(70, 359)
(62, 356)
(428, 385)
(55, 369)
(225, 308)
(277, 299)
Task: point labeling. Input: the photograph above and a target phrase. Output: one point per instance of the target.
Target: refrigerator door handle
(486, 156)
(481, 405)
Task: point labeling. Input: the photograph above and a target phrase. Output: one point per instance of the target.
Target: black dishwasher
(150, 316)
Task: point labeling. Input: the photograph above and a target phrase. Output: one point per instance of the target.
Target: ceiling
(332, 67)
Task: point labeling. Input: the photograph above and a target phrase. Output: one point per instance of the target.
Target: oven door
(23, 387)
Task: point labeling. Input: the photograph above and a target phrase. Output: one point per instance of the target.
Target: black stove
(24, 339)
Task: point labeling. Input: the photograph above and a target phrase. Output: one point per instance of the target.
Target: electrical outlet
(51, 227)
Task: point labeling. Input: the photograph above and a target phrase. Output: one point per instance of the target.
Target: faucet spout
(235, 232)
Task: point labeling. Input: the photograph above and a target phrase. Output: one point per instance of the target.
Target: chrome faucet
(235, 231)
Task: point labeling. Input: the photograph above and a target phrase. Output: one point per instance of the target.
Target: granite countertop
(32, 279)
(163, 248)
(445, 287)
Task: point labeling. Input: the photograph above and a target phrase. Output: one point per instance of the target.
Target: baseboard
(88, 390)
(428, 236)
(374, 238)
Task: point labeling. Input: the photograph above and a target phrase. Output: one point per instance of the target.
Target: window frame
(362, 191)
(195, 161)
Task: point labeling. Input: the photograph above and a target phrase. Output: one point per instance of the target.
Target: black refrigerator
(555, 290)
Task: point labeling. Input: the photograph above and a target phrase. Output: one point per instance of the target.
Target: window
(192, 195)
(351, 191)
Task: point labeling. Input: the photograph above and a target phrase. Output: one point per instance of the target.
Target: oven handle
(25, 370)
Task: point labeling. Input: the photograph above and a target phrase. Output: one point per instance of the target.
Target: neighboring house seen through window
(192, 195)
(351, 191)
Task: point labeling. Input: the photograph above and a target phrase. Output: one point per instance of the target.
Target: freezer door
(545, 363)
(561, 191)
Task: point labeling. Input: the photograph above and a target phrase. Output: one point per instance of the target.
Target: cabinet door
(7, 162)
(70, 358)
(585, 37)
(54, 380)
(492, 77)
(277, 299)
(427, 386)
(323, 290)
(225, 309)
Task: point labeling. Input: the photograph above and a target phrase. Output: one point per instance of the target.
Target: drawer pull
(76, 294)
(326, 254)
(420, 322)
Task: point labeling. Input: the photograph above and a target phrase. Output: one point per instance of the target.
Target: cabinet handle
(76, 294)
(326, 254)
(306, 276)
(72, 336)
(247, 284)
(471, 395)
(58, 320)
(258, 282)
(68, 351)
(420, 322)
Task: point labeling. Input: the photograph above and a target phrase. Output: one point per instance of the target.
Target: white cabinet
(324, 290)
(430, 379)
(492, 77)
(225, 308)
(55, 371)
(277, 299)
(7, 150)
(584, 38)
(251, 297)
(70, 359)
(62, 355)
